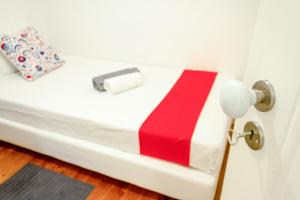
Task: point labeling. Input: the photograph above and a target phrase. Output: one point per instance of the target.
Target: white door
(274, 171)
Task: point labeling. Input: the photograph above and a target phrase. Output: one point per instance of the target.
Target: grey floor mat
(35, 183)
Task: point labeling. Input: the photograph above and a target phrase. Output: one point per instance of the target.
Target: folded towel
(98, 80)
(122, 83)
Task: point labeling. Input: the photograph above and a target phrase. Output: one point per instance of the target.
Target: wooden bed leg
(223, 169)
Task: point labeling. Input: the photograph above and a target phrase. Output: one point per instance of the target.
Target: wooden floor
(13, 158)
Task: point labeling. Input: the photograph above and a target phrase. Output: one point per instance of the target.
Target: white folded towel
(122, 83)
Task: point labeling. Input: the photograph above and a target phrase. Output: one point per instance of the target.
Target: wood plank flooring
(13, 158)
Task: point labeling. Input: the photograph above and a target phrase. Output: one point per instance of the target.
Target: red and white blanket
(175, 116)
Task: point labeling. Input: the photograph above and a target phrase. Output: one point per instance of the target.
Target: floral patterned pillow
(29, 53)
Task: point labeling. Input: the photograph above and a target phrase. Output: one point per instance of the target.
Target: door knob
(236, 98)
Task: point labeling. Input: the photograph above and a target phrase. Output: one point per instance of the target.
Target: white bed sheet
(173, 180)
(65, 102)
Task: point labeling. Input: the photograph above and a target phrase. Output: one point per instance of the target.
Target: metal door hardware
(252, 133)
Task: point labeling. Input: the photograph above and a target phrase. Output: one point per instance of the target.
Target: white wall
(184, 33)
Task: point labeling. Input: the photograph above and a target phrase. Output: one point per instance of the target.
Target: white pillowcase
(29, 53)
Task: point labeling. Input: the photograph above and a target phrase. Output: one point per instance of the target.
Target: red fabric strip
(167, 132)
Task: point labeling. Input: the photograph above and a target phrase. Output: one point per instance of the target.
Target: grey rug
(35, 183)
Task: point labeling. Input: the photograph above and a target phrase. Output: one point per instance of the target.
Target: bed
(62, 116)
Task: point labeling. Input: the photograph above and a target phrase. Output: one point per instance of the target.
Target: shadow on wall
(203, 34)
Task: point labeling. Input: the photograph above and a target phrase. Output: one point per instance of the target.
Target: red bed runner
(168, 130)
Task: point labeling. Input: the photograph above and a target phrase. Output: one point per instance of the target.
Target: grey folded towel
(98, 80)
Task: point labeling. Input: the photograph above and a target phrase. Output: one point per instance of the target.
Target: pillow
(29, 53)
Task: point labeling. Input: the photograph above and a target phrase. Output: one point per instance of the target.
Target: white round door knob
(236, 98)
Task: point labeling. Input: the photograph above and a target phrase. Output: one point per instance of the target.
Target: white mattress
(65, 102)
